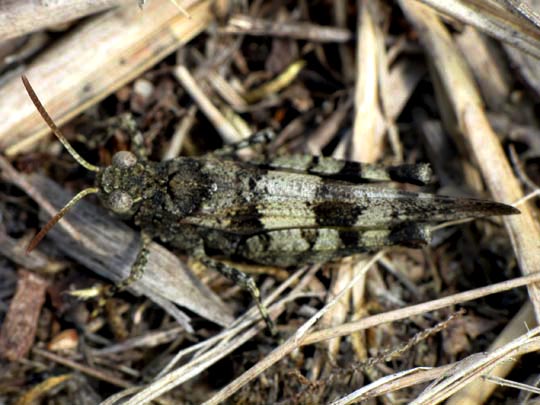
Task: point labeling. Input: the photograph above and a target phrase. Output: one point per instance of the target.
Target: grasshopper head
(125, 183)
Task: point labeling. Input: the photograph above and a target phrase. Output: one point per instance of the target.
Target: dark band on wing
(249, 219)
(337, 213)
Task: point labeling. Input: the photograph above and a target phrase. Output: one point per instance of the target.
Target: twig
(407, 312)
(482, 142)
(479, 390)
(475, 364)
(492, 19)
(94, 372)
(481, 365)
(367, 135)
(21, 322)
(228, 340)
(243, 24)
(283, 350)
(228, 132)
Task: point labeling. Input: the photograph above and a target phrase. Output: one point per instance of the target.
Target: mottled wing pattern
(276, 200)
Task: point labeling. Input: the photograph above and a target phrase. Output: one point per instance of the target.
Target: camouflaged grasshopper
(286, 211)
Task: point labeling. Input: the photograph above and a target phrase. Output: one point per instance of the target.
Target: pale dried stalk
(23, 16)
(286, 348)
(216, 347)
(413, 310)
(226, 91)
(493, 19)
(102, 375)
(523, 344)
(275, 85)
(39, 392)
(391, 316)
(394, 382)
(244, 24)
(368, 131)
(479, 390)
(520, 7)
(483, 143)
(484, 57)
(227, 131)
(367, 136)
(102, 55)
(182, 129)
(477, 364)
(340, 312)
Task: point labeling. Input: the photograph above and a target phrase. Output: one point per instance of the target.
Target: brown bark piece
(19, 328)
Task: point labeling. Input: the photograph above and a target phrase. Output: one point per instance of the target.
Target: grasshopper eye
(120, 201)
(124, 159)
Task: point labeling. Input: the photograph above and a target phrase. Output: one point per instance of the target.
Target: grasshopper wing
(282, 200)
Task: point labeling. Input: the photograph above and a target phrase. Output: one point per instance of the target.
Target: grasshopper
(284, 211)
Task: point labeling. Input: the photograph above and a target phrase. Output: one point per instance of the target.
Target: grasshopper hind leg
(293, 247)
(246, 283)
(354, 172)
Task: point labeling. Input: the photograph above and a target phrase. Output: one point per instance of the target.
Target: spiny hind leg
(243, 281)
(262, 137)
(354, 172)
(292, 247)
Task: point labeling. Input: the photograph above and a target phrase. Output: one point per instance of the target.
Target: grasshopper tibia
(246, 283)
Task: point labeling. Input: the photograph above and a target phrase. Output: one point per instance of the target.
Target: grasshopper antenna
(56, 131)
(36, 239)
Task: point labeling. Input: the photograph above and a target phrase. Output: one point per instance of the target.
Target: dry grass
(433, 81)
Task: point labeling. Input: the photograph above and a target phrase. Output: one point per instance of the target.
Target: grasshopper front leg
(246, 283)
(137, 270)
(128, 124)
(135, 274)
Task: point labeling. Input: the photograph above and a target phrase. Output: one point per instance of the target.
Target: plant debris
(448, 83)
